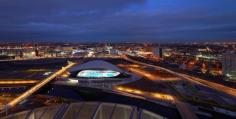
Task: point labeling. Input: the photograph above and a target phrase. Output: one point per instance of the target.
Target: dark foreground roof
(86, 110)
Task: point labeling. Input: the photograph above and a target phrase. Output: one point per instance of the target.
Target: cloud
(117, 20)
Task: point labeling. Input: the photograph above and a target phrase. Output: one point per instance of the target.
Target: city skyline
(117, 21)
(175, 81)
(118, 59)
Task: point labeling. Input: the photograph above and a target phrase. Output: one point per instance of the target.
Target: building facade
(229, 65)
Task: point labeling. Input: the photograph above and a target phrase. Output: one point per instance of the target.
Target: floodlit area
(97, 74)
(118, 59)
(130, 79)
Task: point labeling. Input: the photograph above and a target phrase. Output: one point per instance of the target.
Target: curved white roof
(96, 64)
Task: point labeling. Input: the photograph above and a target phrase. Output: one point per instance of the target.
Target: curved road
(218, 87)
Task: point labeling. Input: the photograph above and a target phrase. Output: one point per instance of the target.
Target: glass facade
(97, 74)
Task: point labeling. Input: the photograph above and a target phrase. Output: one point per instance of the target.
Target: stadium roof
(86, 110)
(96, 64)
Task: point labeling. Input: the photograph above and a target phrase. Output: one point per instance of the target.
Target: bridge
(35, 88)
(183, 108)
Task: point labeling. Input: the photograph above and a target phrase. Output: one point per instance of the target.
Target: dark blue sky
(117, 20)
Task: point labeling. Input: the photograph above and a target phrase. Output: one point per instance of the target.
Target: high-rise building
(229, 65)
(158, 51)
(36, 52)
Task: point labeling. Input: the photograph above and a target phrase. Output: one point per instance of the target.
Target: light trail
(215, 86)
(37, 87)
(185, 110)
(144, 73)
(14, 82)
(153, 77)
(154, 95)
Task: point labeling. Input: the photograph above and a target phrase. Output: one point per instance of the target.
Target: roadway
(215, 86)
(146, 94)
(153, 77)
(35, 88)
(17, 82)
(185, 111)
